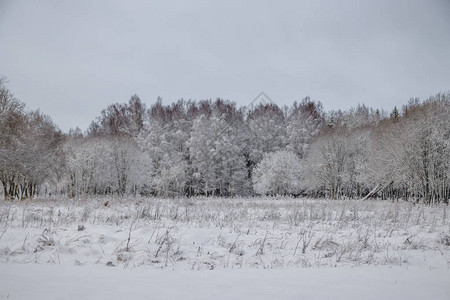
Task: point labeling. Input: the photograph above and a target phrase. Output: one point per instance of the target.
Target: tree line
(214, 148)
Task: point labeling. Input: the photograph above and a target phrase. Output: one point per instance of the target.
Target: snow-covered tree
(120, 119)
(209, 147)
(216, 151)
(266, 131)
(105, 165)
(303, 125)
(325, 165)
(165, 144)
(12, 126)
(410, 153)
(29, 141)
(278, 173)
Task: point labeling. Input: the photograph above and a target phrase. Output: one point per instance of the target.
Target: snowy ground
(223, 249)
(37, 281)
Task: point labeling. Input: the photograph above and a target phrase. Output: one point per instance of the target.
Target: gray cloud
(73, 58)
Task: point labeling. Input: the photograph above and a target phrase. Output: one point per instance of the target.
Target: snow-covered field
(209, 248)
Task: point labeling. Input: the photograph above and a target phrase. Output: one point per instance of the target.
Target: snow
(213, 248)
(37, 281)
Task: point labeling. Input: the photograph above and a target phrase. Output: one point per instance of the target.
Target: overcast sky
(71, 59)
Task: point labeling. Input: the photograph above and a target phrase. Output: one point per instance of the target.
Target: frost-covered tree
(411, 158)
(217, 153)
(29, 141)
(303, 125)
(265, 132)
(204, 147)
(278, 173)
(42, 153)
(357, 178)
(132, 167)
(12, 126)
(105, 165)
(120, 119)
(87, 167)
(164, 143)
(209, 147)
(325, 165)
